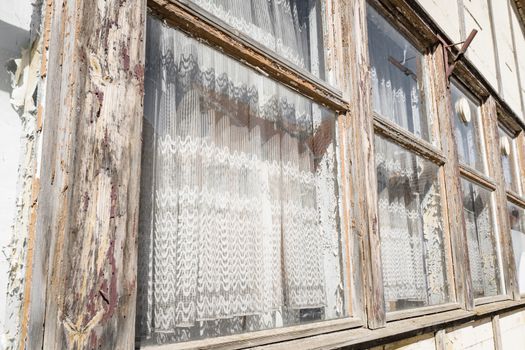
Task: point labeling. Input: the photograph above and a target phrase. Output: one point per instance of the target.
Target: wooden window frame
(187, 17)
(432, 152)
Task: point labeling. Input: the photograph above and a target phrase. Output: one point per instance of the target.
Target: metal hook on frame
(447, 53)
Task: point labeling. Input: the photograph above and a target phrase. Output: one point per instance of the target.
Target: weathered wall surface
(498, 51)
(15, 18)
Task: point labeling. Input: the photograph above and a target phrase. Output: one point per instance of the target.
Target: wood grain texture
(362, 168)
(490, 116)
(88, 209)
(442, 108)
(497, 333)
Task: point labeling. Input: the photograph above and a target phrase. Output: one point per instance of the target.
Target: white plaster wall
(507, 62)
(519, 40)
(446, 15)
(512, 327)
(422, 342)
(15, 17)
(481, 51)
(473, 336)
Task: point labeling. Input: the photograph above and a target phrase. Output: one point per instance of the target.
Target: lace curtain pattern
(291, 28)
(239, 198)
(397, 77)
(411, 228)
(481, 240)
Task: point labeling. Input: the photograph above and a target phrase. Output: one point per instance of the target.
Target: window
(478, 192)
(414, 248)
(239, 222)
(468, 130)
(397, 72)
(293, 29)
(517, 226)
(481, 240)
(411, 228)
(509, 160)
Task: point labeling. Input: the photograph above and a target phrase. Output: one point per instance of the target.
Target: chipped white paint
(423, 342)
(512, 327)
(475, 335)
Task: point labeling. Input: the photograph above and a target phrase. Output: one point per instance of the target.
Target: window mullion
(489, 111)
(454, 201)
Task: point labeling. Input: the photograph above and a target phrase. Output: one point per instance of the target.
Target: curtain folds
(239, 202)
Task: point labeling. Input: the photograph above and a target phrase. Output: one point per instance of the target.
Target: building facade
(281, 174)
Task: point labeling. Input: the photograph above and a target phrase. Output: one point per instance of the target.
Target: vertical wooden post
(496, 330)
(362, 167)
(88, 203)
(454, 201)
(490, 115)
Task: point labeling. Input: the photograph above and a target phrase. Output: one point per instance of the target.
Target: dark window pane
(411, 229)
(397, 77)
(507, 150)
(517, 226)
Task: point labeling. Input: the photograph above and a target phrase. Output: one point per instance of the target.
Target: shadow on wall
(12, 40)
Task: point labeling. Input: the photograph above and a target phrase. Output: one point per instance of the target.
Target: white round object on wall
(463, 110)
(505, 145)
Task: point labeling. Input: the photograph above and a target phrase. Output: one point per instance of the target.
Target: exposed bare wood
(440, 340)
(497, 333)
(183, 15)
(403, 137)
(491, 299)
(362, 168)
(520, 7)
(365, 338)
(259, 338)
(477, 177)
(88, 204)
(428, 310)
(442, 108)
(490, 114)
(515, 198)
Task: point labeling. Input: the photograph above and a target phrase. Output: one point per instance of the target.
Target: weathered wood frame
(86, 211)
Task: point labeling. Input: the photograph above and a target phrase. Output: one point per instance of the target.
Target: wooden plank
(362, 167)
(259, 338)
(441, 105)
(440, 339)
(88, 210)
(183, 16)
(490, 115)
(422, 311)
(474, 175)
(497, 333)
(397, 134)
(366, 338)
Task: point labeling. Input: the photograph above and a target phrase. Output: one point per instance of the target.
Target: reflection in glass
(481, 240)
(507, 151)
(397, 77)
(469, 135)
(291, 28)
(517, 226)
(411, 228)
(239, 209)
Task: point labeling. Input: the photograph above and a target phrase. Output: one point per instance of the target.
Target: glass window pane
(239, 209)
(467, 128)
(291, 28)
(507, 150)
(411, 229)
(482, 240)
(517, 226)
(397, 77)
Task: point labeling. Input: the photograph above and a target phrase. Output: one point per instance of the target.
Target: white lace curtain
(481, 240)
(291, 28)
(235, 170)
(411, 228)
